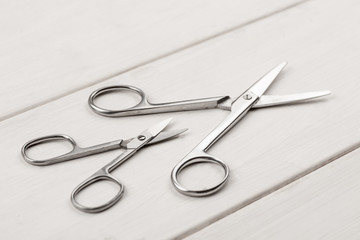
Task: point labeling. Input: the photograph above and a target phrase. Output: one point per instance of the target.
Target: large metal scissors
(238, 107)
(251, 98)
(144, 106)
(152, 135)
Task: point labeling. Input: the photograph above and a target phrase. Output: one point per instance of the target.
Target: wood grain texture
(50, 49)
(321, 205)
(268, 149)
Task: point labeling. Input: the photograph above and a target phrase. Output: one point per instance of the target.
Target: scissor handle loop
(143, 103)
(101, 175)
(193, 159)
(45, 139)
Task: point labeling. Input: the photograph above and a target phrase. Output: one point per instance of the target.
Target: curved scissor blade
(159, 127)
(166, 135)
(163, 136)
(275, 100)
(263, 83)
(146, 136)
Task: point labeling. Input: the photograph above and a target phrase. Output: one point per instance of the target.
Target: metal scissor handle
(104, 174)
(75, 152)
(199, 154)
(145, 107)
(101, 175)
(50, 138)
(193, 158)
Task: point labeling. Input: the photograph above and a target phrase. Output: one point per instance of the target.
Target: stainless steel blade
(146, 136)
(157, 128)
(263, 83)
(275, 100)
(163, 136)
(167, 135)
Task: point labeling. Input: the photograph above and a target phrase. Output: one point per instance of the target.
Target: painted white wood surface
(50, 49)
(321, 205)
(268, 149)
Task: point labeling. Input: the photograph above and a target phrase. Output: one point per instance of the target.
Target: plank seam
(151, 60)
(267, 192)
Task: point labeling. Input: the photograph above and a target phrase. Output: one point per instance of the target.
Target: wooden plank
(269, 148)
(50, 49)
(321, 205)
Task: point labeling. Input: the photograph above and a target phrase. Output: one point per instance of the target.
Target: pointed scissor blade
(163, 136)
(146, 136)
(274, 100)
(167, 135)
(263, 83)
(157, 128)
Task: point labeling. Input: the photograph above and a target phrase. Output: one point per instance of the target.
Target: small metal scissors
(152, 135)
(238, 107)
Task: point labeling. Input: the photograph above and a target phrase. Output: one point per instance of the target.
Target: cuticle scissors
(152, 135)
(238, 107)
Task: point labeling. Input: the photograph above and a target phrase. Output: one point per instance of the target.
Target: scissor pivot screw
(141, 137)
(247, 97)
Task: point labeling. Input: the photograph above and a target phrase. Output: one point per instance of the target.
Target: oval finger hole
(118, 99)
(49, 149)
(98, 193)
(201, 176)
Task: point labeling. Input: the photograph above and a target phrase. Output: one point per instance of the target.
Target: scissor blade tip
(323, 93)
(282, 65)
(182, 130)
(159, 127)
(165, 122)
(168, 120)
(176, 132)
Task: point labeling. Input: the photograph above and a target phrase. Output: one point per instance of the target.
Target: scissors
(152, 135)
(238, 107)
(223, 102)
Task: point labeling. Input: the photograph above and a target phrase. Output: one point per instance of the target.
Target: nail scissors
(251, 98)
(238, 107)
(152, 135)
(223, 102)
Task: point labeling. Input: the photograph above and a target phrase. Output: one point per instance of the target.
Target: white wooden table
(294, 169)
